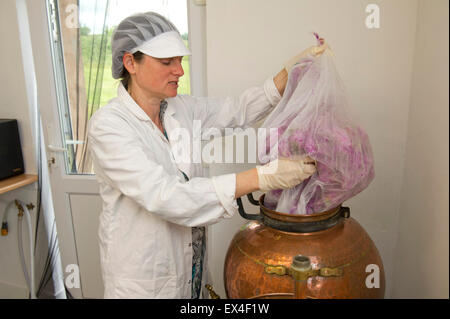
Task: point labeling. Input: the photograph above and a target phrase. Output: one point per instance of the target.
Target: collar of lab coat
(134, 108)
(170, 123)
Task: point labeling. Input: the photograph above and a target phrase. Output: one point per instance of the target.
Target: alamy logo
(72, 16)
(373, 19)
(187, 146)
(373, 279)
(73, 278)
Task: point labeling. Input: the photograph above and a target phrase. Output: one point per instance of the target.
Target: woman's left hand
(280, 79)
(313, 51)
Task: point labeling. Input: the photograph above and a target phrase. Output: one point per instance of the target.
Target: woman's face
(158, 77)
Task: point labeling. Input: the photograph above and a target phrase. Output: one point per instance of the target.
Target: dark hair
(125, 76)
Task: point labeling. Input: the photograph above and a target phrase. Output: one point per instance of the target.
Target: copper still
(324, 255)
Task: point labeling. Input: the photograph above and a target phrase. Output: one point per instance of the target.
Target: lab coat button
(190, 244)
(189, 282)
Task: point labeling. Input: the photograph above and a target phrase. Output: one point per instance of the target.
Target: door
(71, 49)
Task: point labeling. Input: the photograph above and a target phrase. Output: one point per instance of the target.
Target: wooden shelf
(15, 182)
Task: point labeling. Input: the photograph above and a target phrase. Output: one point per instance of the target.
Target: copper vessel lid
(296, 218)
(294, 223)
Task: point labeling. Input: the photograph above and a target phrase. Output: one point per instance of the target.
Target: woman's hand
(281, 78)
(282, 173)
(285, 173)
(313, 51)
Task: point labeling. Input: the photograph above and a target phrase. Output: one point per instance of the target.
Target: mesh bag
(312, 119)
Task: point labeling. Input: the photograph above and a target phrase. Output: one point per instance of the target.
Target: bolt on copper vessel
(323, 255)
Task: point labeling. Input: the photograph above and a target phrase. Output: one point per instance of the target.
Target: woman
(155, 207)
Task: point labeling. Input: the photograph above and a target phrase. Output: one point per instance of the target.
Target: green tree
(84, 30)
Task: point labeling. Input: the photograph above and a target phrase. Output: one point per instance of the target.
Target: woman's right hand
(285, 173)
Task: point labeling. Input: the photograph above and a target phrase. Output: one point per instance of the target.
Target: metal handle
(74, 142)
(200, 2)
(242, 211)
(252, 200)
(56, 148)
(344, 212)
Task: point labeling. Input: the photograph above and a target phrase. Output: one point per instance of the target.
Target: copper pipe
(301, 266)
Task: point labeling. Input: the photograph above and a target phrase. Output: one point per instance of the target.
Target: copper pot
(324, 255)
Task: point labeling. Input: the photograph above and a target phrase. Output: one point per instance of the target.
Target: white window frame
(196, 11)
(197, 44)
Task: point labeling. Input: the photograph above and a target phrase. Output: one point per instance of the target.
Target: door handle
(56, 148)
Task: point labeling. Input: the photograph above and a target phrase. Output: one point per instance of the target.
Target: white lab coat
(148, 208)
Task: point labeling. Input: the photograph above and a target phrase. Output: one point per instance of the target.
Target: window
(81, 36)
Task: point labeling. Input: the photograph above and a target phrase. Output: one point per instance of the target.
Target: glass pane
(82, 57)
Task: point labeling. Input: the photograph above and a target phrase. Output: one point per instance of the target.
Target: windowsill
(16, 182)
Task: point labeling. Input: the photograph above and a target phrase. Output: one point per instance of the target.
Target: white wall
(18, 94)
(247, 41)
(421, 266)
(14, 104)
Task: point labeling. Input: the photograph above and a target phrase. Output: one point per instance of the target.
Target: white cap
(165, 45)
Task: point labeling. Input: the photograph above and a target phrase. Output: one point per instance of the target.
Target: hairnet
(136, 31)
